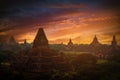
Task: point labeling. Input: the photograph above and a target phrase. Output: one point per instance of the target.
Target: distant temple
(12, 41)
(40, 58)
(95, 42)
(70, 44)
(7, 40)
(114, 42)
(9, 44)
(25, 46)
(25, 42)
(40, 40)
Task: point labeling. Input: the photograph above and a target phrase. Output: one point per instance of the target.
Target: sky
(79, 20)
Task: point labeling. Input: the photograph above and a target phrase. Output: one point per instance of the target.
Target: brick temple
(40, 58)
(95, 42)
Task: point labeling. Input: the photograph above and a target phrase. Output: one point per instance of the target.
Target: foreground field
(83, 67)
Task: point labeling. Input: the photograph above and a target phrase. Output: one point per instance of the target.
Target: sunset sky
(79, 20)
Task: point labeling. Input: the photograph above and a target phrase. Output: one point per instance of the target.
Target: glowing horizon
(62, 20)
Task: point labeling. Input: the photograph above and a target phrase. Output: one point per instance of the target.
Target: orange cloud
(80, 26)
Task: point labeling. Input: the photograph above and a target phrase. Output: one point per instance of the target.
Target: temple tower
(70, 43)
(40, 58)
(95, 42)
(25, 42)
(12, 40)
(114, 42)
(40, 40)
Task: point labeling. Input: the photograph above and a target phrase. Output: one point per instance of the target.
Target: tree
(84, 61)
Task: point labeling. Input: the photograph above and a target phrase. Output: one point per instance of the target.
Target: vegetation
(5, 56)
(84, 67)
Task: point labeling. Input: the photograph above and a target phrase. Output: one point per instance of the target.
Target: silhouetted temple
(70, 44)
(9, 44)
(114, 42)
(25, 42)
(114, 47)
(40, 40)
(12, 41)
(8, 40)
(41, 58)
(95, 42)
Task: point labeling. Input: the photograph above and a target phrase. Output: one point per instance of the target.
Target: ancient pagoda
(25, 42)
(95, 42)
(40, 40)
(70, 44)
(40, 58)
(114, 42)
(12, 41)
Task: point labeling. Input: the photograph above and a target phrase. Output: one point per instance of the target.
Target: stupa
(12, 41)
(95, 42)
(25, 42)
(40, 40)
(40, 58)
(70, 43)
(114, 42)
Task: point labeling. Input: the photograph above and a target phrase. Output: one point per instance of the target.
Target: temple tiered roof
(40, 58)
(70, 43)
(114, 42)
(12, 40)
(95, 42)
(40, 40)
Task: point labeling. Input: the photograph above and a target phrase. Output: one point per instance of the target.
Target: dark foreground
(81, 70)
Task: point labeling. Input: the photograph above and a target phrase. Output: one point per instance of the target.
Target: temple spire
(25, 41)
(114, 42)
(40, 40)
(95, 41)
(70, 43)
(12, 40)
